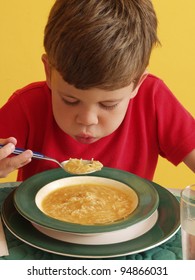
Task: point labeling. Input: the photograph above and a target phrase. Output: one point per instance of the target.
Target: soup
(79, 166)
(90, 204)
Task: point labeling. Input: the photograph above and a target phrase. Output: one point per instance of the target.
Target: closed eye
(109, 107)
(71, 103)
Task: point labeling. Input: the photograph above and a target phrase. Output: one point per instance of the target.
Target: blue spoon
(37, 155)
(63, 164)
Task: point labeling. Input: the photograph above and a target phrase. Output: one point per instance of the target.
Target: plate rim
(97, 254)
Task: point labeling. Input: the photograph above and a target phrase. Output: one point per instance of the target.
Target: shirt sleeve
(13, 120)
(176, 126)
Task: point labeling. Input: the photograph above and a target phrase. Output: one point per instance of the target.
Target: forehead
(63, 88)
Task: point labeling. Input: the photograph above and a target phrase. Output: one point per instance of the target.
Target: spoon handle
(37, 155)
(18, 151)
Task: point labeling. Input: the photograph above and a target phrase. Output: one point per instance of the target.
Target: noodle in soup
(79, 166)
(90, 204)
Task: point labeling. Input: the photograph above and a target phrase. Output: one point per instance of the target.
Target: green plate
(167, 225)
(24, 199)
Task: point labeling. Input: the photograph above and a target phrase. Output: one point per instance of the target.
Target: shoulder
(155, 99)
(36, 86)
(33, 99)
(154, 83)
(154, 90)
(35, 91)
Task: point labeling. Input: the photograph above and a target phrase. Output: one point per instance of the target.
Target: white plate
(112, 237)
(167, 225)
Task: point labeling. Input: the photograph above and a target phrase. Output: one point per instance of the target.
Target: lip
(85, 139)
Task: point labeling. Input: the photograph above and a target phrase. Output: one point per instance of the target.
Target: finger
(8, 140)
(7, 165)
(12, 140)
(6, 150)
(22, 159)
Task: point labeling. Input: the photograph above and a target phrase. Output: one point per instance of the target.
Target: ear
(47, 68)
(141, 80)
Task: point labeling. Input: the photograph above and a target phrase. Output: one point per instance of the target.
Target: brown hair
(100, 43)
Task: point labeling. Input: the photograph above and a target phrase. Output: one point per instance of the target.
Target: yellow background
(21, 33)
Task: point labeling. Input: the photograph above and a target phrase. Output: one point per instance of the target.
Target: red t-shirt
(155, 124)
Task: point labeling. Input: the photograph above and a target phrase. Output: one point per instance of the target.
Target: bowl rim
(70, 181)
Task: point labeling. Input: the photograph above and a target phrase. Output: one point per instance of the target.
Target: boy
(98, 100)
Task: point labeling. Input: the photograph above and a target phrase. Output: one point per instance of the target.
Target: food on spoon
(79, 166)
(90, 204)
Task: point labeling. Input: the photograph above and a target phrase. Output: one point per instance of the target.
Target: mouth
(85, 139)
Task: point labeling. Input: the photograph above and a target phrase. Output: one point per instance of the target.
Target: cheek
(120, 114)
(62, 116)
(113, 120)
(56, 108)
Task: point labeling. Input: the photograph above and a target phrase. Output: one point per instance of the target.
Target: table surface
(18, 250)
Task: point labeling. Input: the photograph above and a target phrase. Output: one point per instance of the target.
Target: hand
(9, 164)
(189, 160)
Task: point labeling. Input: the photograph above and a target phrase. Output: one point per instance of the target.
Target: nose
(87, 117)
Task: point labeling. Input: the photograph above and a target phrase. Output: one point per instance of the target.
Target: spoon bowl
(72, 166)
(80, 166)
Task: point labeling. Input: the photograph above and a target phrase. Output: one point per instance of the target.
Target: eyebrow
(66, 95)
(111, 101)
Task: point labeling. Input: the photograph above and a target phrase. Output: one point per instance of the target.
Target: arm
(189, 160)
(9, 164)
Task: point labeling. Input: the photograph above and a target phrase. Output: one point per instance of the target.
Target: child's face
(87, 115)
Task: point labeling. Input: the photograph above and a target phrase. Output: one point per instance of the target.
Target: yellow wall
(21, 36)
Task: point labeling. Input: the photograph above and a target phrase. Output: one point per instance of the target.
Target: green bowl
(26, 193)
